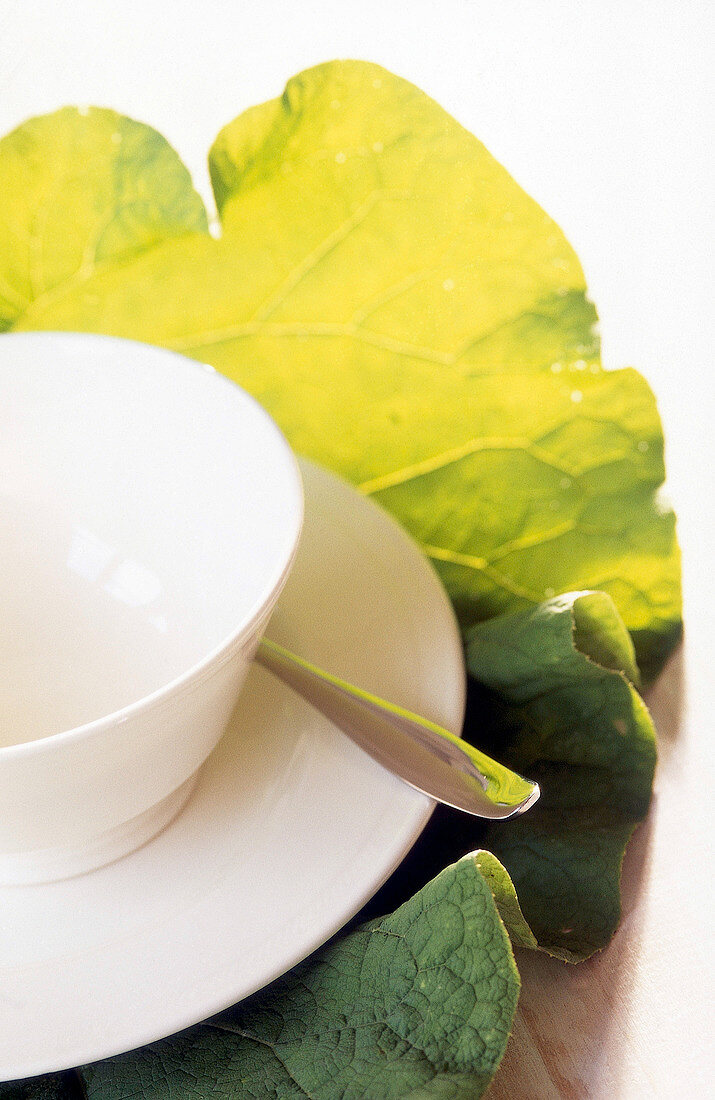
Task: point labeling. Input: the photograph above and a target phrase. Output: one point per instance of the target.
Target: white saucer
(290, 829)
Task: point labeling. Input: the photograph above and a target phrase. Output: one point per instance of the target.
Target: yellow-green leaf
(412, 319)
(83, 191)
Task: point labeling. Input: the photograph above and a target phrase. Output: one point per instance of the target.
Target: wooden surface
(603, 113)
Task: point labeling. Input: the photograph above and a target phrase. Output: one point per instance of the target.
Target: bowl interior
(150, 509)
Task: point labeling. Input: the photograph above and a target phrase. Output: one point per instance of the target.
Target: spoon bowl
(420, 752)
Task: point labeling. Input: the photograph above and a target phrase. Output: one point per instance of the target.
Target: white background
(603, 113)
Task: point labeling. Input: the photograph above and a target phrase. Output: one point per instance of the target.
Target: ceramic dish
(290, 829)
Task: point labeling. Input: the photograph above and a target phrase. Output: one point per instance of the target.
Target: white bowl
(151, 511)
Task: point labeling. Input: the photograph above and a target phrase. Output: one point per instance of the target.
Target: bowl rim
(224, 649)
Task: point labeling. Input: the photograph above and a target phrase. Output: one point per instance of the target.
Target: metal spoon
(420, 752)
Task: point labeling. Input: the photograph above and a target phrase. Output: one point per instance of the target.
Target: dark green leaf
(54, 1086)
(559, 706)
(416, 1005)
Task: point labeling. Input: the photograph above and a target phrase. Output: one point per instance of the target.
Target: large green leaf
(559, 705)
(408, 314)
(84, 191)
(414, 1006)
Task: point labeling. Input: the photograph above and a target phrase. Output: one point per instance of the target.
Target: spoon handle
(423, 754)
